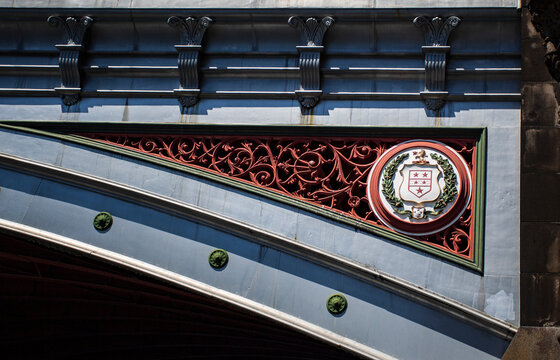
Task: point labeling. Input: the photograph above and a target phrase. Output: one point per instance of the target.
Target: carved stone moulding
(333, 174)
(70, 56)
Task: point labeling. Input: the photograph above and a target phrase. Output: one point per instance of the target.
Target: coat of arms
(417, 185)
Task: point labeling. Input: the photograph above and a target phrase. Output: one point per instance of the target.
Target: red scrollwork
(327, 172)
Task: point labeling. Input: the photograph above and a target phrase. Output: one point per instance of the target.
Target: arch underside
(58, 304)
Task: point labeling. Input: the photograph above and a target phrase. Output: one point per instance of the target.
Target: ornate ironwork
(70, 56)
(436, 34)
(330, 173)
(192, 32)
(311, 31)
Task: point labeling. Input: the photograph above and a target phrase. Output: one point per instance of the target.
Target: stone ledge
(534, 343)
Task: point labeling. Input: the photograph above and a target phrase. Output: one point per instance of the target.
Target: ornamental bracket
(192, 31)
(70, 56)
(311, 31)
(436, 34)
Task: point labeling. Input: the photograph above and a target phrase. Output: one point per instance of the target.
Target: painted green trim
(218, 258)
(480, 201)
(337, 304)
(102, 221)
(61, 130)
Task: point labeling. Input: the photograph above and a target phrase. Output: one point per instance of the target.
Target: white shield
(420, 183)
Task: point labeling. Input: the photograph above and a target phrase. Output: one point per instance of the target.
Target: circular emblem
(419, 187)
(336, 304)
(102, 221)
(218, 258)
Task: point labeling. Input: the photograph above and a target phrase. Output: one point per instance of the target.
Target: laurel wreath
(449, 190)
(448, 194)
(388, 189)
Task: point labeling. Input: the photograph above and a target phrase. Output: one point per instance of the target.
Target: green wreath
(448, 194)
(388, 189)
(449, 190)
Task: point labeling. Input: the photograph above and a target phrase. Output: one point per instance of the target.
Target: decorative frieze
(311, 31)
(436, 34)
(70, 56)
(192, 31)
(365, 179)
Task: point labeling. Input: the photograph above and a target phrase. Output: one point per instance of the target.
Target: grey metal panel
(278, 280)
(501, 267)
(132, 52)
(480, 36)
(30, 82)
(24, 35)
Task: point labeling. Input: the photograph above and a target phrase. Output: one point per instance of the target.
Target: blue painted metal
(371, 75)
(273, 278)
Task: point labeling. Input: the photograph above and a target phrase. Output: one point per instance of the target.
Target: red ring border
(430, 227)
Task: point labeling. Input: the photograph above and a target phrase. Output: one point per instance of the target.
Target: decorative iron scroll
(331, 173)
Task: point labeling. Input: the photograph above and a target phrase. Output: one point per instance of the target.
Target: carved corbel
(436, 34)
(192, 32)
(311, 31)
(70, 56)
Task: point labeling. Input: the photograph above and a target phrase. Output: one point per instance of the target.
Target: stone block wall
(540, 167)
